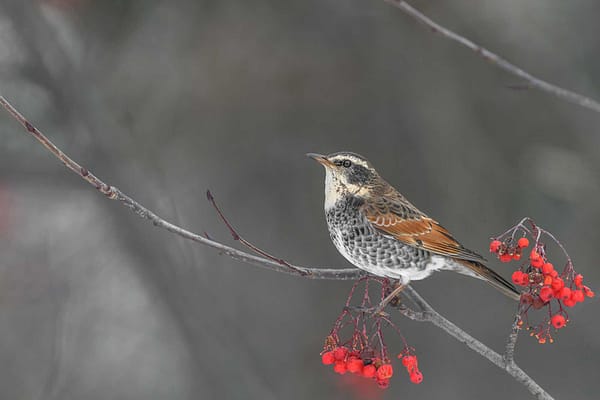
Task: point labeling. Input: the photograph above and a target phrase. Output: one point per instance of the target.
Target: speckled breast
(368, 249)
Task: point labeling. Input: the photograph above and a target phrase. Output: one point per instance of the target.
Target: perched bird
(375, 228)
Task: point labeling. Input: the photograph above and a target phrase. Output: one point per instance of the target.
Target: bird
(379, 231)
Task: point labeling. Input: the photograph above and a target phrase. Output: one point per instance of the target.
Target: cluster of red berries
(362, 350)
(542, 284)
(551, 285)
(346, 360)
(506, 252)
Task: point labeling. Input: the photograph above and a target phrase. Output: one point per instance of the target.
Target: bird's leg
(399, 288)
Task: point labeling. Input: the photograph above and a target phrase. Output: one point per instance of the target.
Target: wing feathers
(423, 232)
(493, 279)
(395, 216)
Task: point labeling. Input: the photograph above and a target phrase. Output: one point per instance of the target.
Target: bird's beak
(321, 159)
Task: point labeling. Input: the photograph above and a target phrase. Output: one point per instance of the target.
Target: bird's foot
(392, 299)
(375, 311)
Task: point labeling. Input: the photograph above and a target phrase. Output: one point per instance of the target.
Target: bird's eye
(346, 163)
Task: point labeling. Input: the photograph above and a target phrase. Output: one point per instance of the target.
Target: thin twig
(236, 236)
(496, 60)
(427, 313)
(68, 162)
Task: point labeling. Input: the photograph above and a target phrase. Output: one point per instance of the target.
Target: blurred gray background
(165, 99)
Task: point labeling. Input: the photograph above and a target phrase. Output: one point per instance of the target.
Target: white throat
(331, 195)
(335, 189)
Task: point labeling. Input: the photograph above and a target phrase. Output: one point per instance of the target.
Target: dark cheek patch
(359, 174)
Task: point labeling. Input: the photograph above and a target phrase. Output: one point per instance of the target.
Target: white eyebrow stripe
(351, 158)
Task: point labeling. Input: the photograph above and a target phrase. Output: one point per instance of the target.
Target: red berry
(340, 367)
(354, 365)
(537, 263)
(385, 371)
(547, 268)
(558, 284)
(565, 293)
(505, 258)
(517, 277)
(546, 294)
(516, 256)
(558, 321)
(588, 292)
(340, 353)
(523, 242)
(534, 255)
(383, 383)
(328, 358)
(547, 280)
(416, 377)
(495, 246)
(369, 371)
(569, 302)
(578, 280)
(577, 295)
(410, 362)
(525, 279)
(520, 278)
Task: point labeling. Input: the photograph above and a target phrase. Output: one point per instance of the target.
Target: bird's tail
(492, 278)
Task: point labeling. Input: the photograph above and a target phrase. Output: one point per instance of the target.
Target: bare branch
(426, 313)
(511, 342)
(506, 362)
(496, 60)
(114, 193)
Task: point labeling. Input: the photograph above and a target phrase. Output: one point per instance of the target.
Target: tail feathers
(492, 278)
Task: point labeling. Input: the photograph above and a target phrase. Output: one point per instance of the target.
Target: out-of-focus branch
(496, 60)
(425, 313)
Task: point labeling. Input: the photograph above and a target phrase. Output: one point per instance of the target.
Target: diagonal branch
(496, 60)
(426, 313)
(114, 193)
(505, 362)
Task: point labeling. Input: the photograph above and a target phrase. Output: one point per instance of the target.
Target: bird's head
(346, 174)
